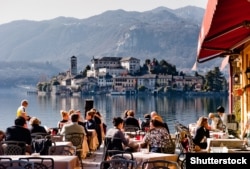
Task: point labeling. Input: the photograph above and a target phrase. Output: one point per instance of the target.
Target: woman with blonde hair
(65, 119)
(202, 132)
(35, 126)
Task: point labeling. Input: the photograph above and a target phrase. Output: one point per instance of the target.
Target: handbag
(170, 147)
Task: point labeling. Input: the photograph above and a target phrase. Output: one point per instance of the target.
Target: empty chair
(77, 140)
(17, 164)
(41, 145)
(62, 150)
(13, 147)
(111, 144)
(40, 162)
(117, 154)
(160, 164)
(4, 162)
(118, 164)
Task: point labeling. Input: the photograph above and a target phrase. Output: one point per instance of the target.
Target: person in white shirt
(216, 122)
(223, 116)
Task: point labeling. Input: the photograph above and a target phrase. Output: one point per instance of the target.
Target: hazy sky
(48, 9)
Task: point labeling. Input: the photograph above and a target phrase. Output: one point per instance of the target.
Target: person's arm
(62, 132)
(244, 131)
(123, 138)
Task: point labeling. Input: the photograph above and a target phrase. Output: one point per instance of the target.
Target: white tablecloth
(85, 147)
(60, 162)
(229, 143)
(62, 143)
(92, 140)
(141, 157)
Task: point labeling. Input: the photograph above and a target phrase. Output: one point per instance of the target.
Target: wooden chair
(40, 162)
(13, 147)
(118, 164)
(62, 150)
(160, 164)
(77, 140)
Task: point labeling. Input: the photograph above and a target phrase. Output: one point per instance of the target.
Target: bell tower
(73, 67)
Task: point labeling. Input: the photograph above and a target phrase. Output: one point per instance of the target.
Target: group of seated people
(218, 123)
(92, 121)
(131, 121)
(72, 122)
(155, 138)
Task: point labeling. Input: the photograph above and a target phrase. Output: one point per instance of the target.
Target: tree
(84, 72)
(214, 80)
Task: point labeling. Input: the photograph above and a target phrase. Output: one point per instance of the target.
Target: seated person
(202, 132)
(90, 122)
(157, 137)
(131, 121)
(145, 123)
(35, 126)
(154, 113)
(216, 122)
(65, 119)
(18, 132)
(2, 135)
(73, 126)
(118, 134)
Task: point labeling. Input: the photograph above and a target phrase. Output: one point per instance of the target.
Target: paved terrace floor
(94, 161)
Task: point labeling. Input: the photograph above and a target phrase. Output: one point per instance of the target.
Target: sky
(38, 10)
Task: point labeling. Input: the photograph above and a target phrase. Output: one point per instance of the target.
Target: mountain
(161, 33)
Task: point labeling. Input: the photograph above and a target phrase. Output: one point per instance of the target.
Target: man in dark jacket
(18, 132)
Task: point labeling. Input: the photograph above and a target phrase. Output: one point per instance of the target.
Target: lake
(47, 108)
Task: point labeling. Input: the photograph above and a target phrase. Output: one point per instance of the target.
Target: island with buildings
(124, 76)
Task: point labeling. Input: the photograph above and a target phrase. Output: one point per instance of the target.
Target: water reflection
(183, 109)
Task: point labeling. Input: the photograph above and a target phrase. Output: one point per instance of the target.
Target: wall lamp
(236, 78)
(247, 72)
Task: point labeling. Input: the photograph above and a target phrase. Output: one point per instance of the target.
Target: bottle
(139, 147)
(226, 133)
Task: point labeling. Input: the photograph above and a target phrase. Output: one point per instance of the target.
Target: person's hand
(28, 118)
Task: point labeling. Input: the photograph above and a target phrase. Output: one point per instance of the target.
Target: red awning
(225, 27)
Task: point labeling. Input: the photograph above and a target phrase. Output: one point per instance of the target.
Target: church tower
(73, 68)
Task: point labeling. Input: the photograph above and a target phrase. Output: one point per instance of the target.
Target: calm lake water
(183, 109)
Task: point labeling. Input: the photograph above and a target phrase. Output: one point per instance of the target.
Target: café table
(216, 134)
(141, 157)
(92, 140)
(225, 142)
(85, 146)
(60, 162)
(62, 143)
